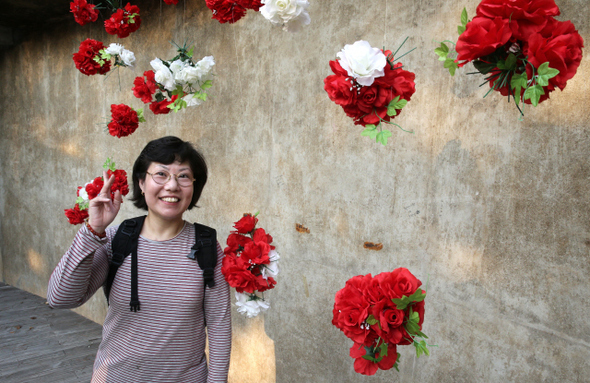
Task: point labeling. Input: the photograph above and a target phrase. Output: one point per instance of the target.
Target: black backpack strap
(124, 243)
(205, 252)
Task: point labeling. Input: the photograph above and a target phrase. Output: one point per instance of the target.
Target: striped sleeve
(81, 271)
(218, 315)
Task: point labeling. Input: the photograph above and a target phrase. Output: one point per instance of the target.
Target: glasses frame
(170, 177)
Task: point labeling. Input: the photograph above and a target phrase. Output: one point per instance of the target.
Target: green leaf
(483, 67)
(109, 164)
(396, 103)
(451, 65)
(370, 358)
(207, 84)
(190, 52)
(418, 296)
(461, 29)
(140, 116)
(534, 94)
(464, 17)
(383, 350)
(201, 96)
(371, 320)
(442, 52)
(178, 91)
(382, 136)
(511, 62)
(370, 131)
(518, 82)
(544, 73)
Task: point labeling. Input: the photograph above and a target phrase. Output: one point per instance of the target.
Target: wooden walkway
(42, 345)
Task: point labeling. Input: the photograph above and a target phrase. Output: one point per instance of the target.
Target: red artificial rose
(124, 120)
(236, 242)
(83, 12)
(256, 253)
(84, 58)
(525, 16)
(560, 44)
(340, 89)
(246, 224)
(240, 276)
(161, 107)
(145, 89)
(93, 188)
(261, 236)
(226, 11)
(171, 2)
(250, 4)
(482, 37)
(120, 182)
(75, 215)
(124, 21)
(367, 367)
(351, 310)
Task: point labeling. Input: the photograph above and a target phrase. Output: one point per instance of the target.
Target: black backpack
(125, 242)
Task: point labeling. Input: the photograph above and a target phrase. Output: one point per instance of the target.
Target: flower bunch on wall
(378, 314)
(123, 21)
(370, 86)
(250, 265)
(522, 51)
(94, 58)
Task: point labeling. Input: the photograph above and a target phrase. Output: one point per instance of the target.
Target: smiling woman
(163, 339)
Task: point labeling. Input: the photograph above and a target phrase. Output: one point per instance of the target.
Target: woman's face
(169, 200)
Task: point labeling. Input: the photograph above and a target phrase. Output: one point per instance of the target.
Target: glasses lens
(161, 177)
(185, 180)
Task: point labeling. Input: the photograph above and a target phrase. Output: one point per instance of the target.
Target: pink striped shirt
(165, 340)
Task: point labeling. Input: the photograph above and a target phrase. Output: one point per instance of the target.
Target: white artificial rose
(272, 269)
(190, 74)
(191, 100)
(127, 57)
(362, 62)
(163, 75)
(250, 307)
(291, 14)
(176, 67)
(114, 49)
(205, 66)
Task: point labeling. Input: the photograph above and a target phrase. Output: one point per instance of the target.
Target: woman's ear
(141, 185)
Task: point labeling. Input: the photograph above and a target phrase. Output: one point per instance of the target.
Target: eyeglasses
(162, 177)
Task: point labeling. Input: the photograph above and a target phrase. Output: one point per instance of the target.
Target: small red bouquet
(87, 59)
(123, 21)
(230, 11)
(520, 48)
(250, 265)
(370, 86)
(85, 193)
(124, 120)
(83, 12)
(378, 314)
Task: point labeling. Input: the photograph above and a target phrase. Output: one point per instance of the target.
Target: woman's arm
(81, 271)
(218, 316)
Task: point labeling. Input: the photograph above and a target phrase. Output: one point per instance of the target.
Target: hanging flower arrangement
(370, 86)
(124, 120)
(250, 265)
(122, 22)
(290, 14)
(230, 11)
(175, 84)
(378, 314)
(94, 58)
(522, 51)
(91, 189)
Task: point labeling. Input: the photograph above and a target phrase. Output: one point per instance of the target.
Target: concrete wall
(493, 211)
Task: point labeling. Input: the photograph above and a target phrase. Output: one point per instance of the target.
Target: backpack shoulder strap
(205, 252)
(124, 243)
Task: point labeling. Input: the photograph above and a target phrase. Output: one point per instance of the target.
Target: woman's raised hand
(102, 210)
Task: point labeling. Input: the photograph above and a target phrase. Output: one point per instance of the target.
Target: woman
(164, 341)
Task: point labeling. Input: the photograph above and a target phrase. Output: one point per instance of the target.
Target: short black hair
(167, 150)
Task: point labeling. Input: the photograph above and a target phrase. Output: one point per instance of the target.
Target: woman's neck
(161, 230)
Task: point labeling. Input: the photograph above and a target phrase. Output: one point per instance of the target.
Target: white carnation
(250, 305)
(362, 62)
(163, 75)
(127, 57)
(191, 100)
(291, 14)
(205, 67)
(114, 49)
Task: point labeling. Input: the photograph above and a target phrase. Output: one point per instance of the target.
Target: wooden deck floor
(42, 345)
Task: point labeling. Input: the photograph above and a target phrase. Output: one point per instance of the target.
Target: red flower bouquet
(83, 12)
(370, 87)
(171, 2)
(230, 11)
(520, 48)
(85, 193)
(250, 265)
(124, 21)
(378, 314)
(175, 84)
(88, 60)
(124, 120)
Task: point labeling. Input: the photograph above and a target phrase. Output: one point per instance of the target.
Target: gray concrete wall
(493, 211)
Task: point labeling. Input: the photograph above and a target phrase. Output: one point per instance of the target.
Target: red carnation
(226, 11)
(124, 120)
(161, 107)
(84, 58)
(143, 89)
(482, 37)
(75, 215)
(124, 21)
(246, 224)
(83, 12)
(171, 2)
(93, 188)
(120, 182)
